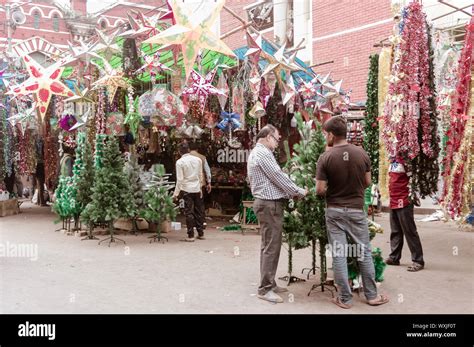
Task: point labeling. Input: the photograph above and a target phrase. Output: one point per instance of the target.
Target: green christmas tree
(304, 220)
(111, 197)
(83, 172)
(63, 198)
(158, 200)
(132, 172)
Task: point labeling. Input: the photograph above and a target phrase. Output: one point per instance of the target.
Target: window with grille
(36, 19)
(55, 22)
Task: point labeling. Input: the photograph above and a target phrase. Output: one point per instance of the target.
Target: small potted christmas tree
(158, 202)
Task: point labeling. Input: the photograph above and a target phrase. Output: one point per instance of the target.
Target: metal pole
(9, 28)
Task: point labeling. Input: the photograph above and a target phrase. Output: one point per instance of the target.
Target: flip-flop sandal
(380, 300)
(415, 267)
(337, 301)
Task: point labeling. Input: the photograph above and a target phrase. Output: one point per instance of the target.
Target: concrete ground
(216, 275)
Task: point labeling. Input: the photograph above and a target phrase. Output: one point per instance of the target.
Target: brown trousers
(270, 216)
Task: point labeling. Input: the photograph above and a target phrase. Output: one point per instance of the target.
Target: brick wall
(350, 51)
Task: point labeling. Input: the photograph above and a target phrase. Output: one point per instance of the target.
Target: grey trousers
(402, 223)
(340, 223)
(270, 216)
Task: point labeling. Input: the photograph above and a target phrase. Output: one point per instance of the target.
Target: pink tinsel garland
(409, 91)
(460, 102)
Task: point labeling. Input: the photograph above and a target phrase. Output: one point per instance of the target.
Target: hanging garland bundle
(410, 125)
(371, 127)
(3, 131)
(456, 163)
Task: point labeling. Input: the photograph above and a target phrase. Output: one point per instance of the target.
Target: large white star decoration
(43, 82)
(112, 79)
(152, 63)
(82, 120)
(193, 32)
(84, 52)
(106, 44)
(81, 96)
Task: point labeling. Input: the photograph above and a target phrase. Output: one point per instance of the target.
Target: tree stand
(89, 235)
(135, 229)
(314, 267)
(158, 237)
(111, 237)
(290, 278)
(324, 284)
(63, 220)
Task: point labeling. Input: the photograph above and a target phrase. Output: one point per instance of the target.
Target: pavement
(216, 275)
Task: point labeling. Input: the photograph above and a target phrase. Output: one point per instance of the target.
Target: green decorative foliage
(371, 124)
(111, 197)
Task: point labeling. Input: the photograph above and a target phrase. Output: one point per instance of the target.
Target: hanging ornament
(193, 32)
(193, 131)
(238, 104)
(271, 83)
(82, 120)
(255, 48)
(106, 44)
(264, 94)
(112, 79)
(288, 91)
(43, 82)
(224, 88)
(257, 111)
(153, 65)
(254, 83)
(146, 104)
(229, 122)
(169, 108)
(81, 96)
(84, 52)
(201, 87)
(133, 118)
(67, 122)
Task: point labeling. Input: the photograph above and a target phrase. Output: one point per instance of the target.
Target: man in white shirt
(189, 178)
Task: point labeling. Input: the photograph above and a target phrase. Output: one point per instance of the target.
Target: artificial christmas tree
(304, 221)
(158, 201)
(132, 172)
(111, 198)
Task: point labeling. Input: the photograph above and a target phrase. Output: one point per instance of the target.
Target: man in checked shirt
(271, 187)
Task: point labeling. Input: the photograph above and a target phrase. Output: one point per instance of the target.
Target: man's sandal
(337, 301)
(379, 300)
(415, 267)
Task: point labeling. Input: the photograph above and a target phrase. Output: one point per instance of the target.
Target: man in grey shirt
(271, 187)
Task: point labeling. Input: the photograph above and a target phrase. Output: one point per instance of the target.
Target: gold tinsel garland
(385, 62)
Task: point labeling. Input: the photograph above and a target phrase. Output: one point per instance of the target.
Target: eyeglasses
(275, 138)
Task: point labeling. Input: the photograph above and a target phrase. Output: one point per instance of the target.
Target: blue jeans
(340, 223)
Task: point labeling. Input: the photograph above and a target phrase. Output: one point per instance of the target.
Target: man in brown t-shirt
(343, 173)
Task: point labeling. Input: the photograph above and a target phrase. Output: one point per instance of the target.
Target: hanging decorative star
(168, 13)
(201, 87)
(152, 63)
(254, 83)
(137, 29)
(43, 82)
(112, 79)
(224, 88)
(106, 44)
(84, 52)
(82, 120)
(288, 91)
(149, 24)
(23, 117)
(81, 96)
(277, 64)
(193, 32)
(255, 48)
(334, 90)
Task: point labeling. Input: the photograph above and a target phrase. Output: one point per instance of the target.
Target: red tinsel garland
(460, 102)
(409, 91)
